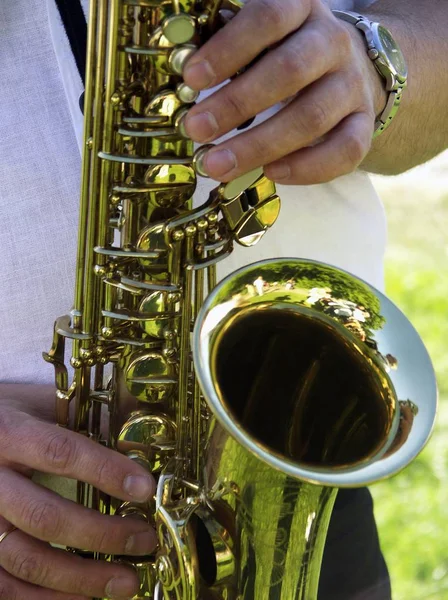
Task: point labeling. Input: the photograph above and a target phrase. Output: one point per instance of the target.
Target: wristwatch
(388, 59)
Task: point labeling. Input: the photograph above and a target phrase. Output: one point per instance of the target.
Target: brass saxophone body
(250, 400)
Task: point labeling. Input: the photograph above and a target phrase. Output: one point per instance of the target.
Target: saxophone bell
(312, 372)
(316, 381)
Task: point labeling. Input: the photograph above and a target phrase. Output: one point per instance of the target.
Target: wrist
(386, 56)
(375, 82)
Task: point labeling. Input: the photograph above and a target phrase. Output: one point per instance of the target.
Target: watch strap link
(384, 119)
(346, 15)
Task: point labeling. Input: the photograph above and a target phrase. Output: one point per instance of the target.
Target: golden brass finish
(179, 57)
(147, 437)
(305, 371)
(314, 379)
(5, 534)
(198, 160)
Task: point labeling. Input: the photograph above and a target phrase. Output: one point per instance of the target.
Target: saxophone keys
(147, 577)
(157, 304)
(237, 186)
(179, 58)
(196, 552)
(150, 377)
(153, 238)
(148, 439)
(186, 94)
(176, 568)
(254, 225)
(144, 566)
(250, 206)
(179, 29)
(179, 123)
(198, 159)
(163, 106)
(172, 185)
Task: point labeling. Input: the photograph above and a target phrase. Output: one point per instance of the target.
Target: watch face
(392, 52)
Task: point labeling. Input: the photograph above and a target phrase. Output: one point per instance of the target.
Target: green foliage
(412, 508)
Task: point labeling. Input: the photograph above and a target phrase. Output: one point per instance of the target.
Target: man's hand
(30, 568)
(315, 62)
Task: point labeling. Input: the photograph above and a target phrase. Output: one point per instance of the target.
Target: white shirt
(342, 223)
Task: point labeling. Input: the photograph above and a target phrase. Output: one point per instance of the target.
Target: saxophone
(252, 400)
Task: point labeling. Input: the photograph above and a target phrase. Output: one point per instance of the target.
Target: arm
(420, 130)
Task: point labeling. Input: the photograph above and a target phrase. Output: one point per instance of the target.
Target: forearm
(420, 129)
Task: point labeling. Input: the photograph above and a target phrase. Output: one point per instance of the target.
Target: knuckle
(307, 5)
(43, 519)
(313, 119)
(341, 36)
(320, 173)
(356, 83)
(237, 105)
(103, 472)
(59, 451)
(274, 15)
(292, 63)
(306, 58)
(317, 41)
(104, 539)
(355, 150)
(258, 150)
(27, 566)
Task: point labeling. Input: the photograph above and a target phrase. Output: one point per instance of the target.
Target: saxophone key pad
(186, 94)
(179, 58)
(150, 376)
(179, 29)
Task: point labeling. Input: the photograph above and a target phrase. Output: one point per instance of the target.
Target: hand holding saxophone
(30, 567)
(317, 65)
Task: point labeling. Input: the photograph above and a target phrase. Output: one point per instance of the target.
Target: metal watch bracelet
(393, 86)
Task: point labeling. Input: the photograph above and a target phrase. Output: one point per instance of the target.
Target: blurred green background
(412, 508)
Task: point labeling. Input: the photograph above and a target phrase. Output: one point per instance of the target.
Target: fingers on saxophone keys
(306, 119)
(33, 562)
(50, 449)
(340, 153)
(13, 589)
(257, 26)
(48, 517)
(282, 73)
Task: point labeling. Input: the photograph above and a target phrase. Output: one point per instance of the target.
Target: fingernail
(280, 170)
(199, 75)
(139, 487)
(219, 163)
(202, 127)
(121, 588)
(141, 543)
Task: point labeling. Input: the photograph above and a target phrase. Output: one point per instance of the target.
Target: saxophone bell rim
(388, 461)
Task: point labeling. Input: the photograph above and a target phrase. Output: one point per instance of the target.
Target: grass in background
(412, 508)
